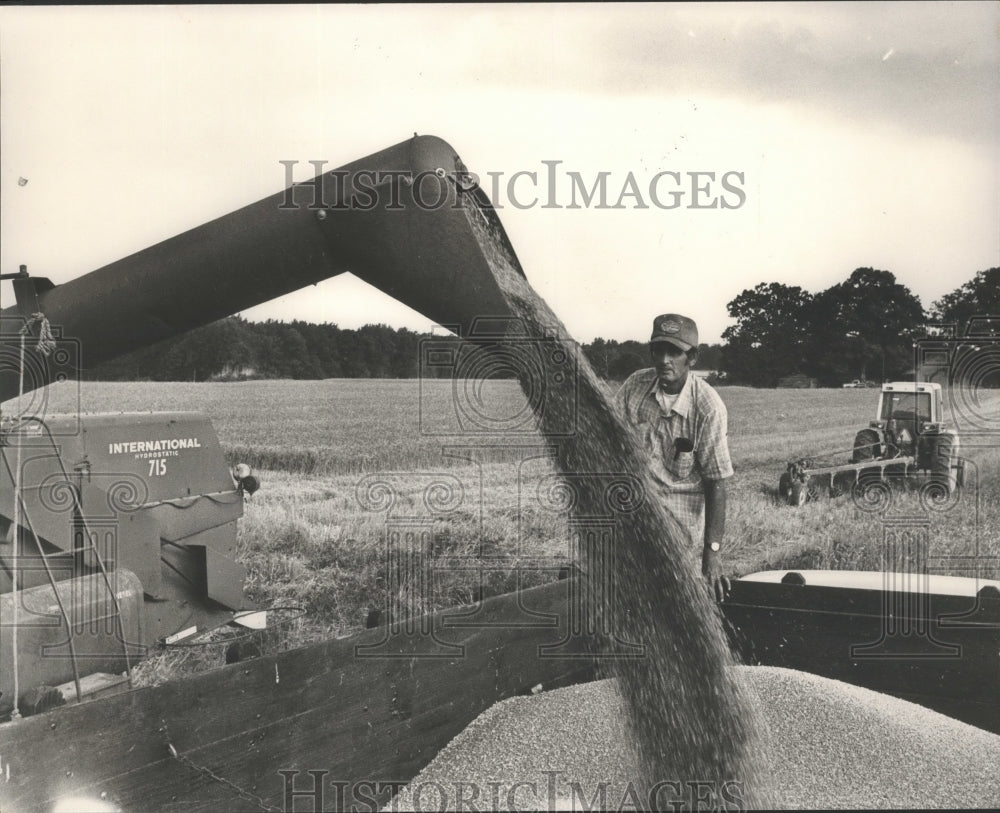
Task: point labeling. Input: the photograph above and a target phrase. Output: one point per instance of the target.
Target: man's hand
(711, 567)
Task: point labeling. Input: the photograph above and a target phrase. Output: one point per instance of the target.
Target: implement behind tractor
(908, 438)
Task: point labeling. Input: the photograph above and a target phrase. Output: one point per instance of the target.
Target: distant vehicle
(859, 383)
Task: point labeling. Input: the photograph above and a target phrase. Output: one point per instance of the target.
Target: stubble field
(358, 473)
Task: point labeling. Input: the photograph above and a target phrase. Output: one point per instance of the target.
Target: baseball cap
(676, 329)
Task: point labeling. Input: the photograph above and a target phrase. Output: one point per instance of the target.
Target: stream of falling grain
(688, 713)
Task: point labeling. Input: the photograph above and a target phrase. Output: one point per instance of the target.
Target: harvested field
(329, 434)
(308, 540)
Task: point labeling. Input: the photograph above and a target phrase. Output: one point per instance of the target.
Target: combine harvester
(118, 532)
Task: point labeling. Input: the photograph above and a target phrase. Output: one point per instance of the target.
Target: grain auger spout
(397, 219)
(125, 525)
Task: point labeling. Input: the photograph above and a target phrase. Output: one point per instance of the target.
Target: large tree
(864, 328)
(770, 336)
(974, 363)
(978, 297)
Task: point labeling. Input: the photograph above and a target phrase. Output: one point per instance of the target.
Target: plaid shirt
(698, 415)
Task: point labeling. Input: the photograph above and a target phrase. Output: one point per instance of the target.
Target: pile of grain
(826, 744)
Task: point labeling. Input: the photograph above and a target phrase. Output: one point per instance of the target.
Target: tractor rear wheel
(945, 464)
(865, 444)
(785, 485)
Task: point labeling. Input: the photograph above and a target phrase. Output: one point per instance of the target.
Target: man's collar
(682, 406)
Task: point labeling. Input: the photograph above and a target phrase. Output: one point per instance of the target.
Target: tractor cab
(913, 403)
(902, 414)
(910, 422)
(906, 411)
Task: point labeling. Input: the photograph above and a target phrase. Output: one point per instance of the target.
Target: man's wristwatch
(715, 547)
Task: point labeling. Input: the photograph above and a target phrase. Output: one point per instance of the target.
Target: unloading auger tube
(396, 219)
(128, 521)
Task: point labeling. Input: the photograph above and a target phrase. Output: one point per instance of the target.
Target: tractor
(910, 423)
(908, 435)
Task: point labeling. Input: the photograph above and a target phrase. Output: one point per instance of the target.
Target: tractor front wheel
(798, 493)
(866, 444)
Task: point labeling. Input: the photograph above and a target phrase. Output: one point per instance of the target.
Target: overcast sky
(863, 135)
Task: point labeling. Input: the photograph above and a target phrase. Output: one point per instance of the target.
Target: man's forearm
(715, 511)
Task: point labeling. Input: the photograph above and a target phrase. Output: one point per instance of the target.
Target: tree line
(862, 328)
(236, 349)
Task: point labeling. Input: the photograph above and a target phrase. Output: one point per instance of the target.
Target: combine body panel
(105, 633)
(106, 499)
(927, 638)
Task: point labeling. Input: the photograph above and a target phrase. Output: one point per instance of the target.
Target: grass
(347, 464)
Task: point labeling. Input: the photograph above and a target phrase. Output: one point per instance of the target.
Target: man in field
(681, 424)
